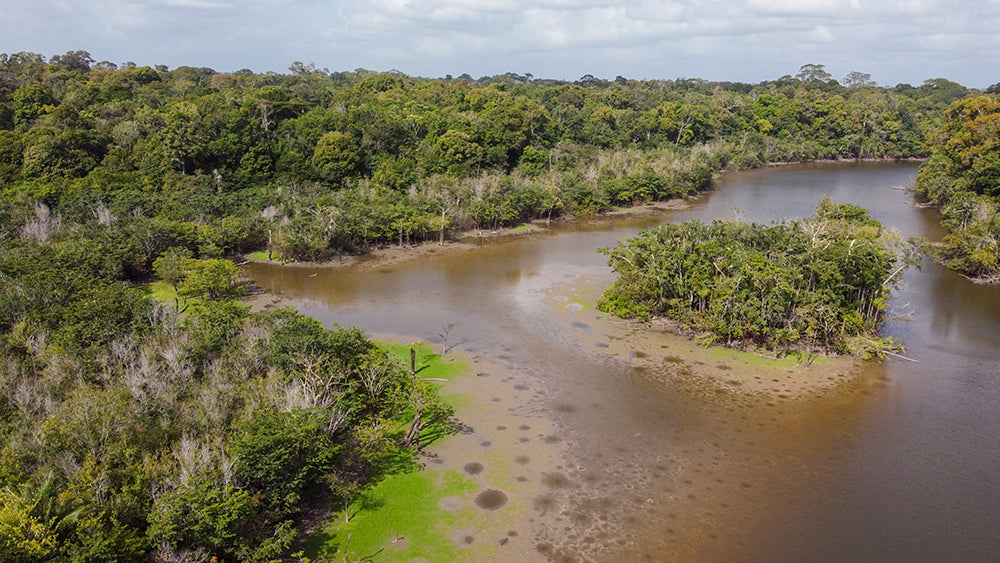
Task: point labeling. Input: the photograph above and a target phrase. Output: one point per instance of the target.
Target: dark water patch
(491, 499)
(555, 480)
(565, 407)
(601, 345)
(580, 518)
(521, 387)
(486, 443)
(581, 325)
(544, 503)
(473, 468)
(524, 427)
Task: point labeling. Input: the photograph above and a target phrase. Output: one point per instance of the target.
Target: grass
(433, 366)
(400, 517)
(260, 255)
(429, 364)
(164, 292)
(759, 359)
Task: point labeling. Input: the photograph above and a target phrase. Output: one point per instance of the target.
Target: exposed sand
(513, 446)
(665, 354)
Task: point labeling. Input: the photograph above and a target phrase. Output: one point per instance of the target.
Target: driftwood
(901, 357)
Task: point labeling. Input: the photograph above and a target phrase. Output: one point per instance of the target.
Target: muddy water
(654, 458)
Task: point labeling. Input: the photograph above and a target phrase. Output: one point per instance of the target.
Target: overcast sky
(736, 40)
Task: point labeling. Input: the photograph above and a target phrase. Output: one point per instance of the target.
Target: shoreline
(391, 255)
(464, 241)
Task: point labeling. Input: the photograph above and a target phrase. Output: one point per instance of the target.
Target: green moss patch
(164, 292)
(766, 359)
(412, 514)
(402, 518)
(259, 256)
(429, 364)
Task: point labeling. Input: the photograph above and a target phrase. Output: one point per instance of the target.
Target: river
(897, 462)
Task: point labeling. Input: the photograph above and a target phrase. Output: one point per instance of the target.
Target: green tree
(822, 281)
(279, 455)
(184, 137)
(212, 278)
(336, 154)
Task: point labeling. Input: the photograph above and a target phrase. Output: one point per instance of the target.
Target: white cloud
(803, 7)
(196, 4)
(747, 40)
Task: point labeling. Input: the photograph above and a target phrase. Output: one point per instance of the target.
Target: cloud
(196, 4)
(803, 7)
(746, 40)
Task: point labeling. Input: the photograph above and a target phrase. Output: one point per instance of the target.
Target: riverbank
(465, 241)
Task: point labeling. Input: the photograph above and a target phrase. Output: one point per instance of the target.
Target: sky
(895, 41)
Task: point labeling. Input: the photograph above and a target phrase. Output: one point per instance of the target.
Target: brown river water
(639, 445)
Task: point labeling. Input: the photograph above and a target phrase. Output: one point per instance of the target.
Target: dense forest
(314, 163)
(962, 177)
(134, 427)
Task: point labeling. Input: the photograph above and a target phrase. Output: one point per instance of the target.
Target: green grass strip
(400, 519)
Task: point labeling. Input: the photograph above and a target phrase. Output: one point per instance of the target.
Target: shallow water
(897, 464)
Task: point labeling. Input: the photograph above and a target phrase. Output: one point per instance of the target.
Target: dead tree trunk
(413, 434)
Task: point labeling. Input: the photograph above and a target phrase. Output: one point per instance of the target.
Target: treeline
(817, 284)
(313, 164)
(962, 177)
